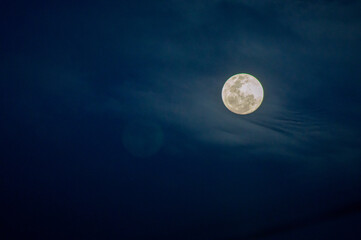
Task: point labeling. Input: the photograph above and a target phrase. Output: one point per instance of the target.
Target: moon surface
(242, 94)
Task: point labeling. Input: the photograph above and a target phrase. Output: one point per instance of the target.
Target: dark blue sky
(113, 126)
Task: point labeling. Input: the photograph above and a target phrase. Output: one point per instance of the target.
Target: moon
(242, 94)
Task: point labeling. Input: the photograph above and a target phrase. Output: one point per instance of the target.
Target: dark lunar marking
(238, 84)
(232, 100)
(241, 103)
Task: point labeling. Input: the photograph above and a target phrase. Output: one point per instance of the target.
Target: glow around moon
(242, 94)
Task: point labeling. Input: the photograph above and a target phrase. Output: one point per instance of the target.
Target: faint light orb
(142, 139)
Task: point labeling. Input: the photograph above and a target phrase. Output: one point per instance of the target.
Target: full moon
(242, 94)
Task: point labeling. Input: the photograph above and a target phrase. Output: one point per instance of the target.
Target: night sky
(113, 125)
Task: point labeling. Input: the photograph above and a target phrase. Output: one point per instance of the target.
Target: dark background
(113, 127)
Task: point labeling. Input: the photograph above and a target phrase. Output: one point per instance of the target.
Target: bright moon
(242, 94)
